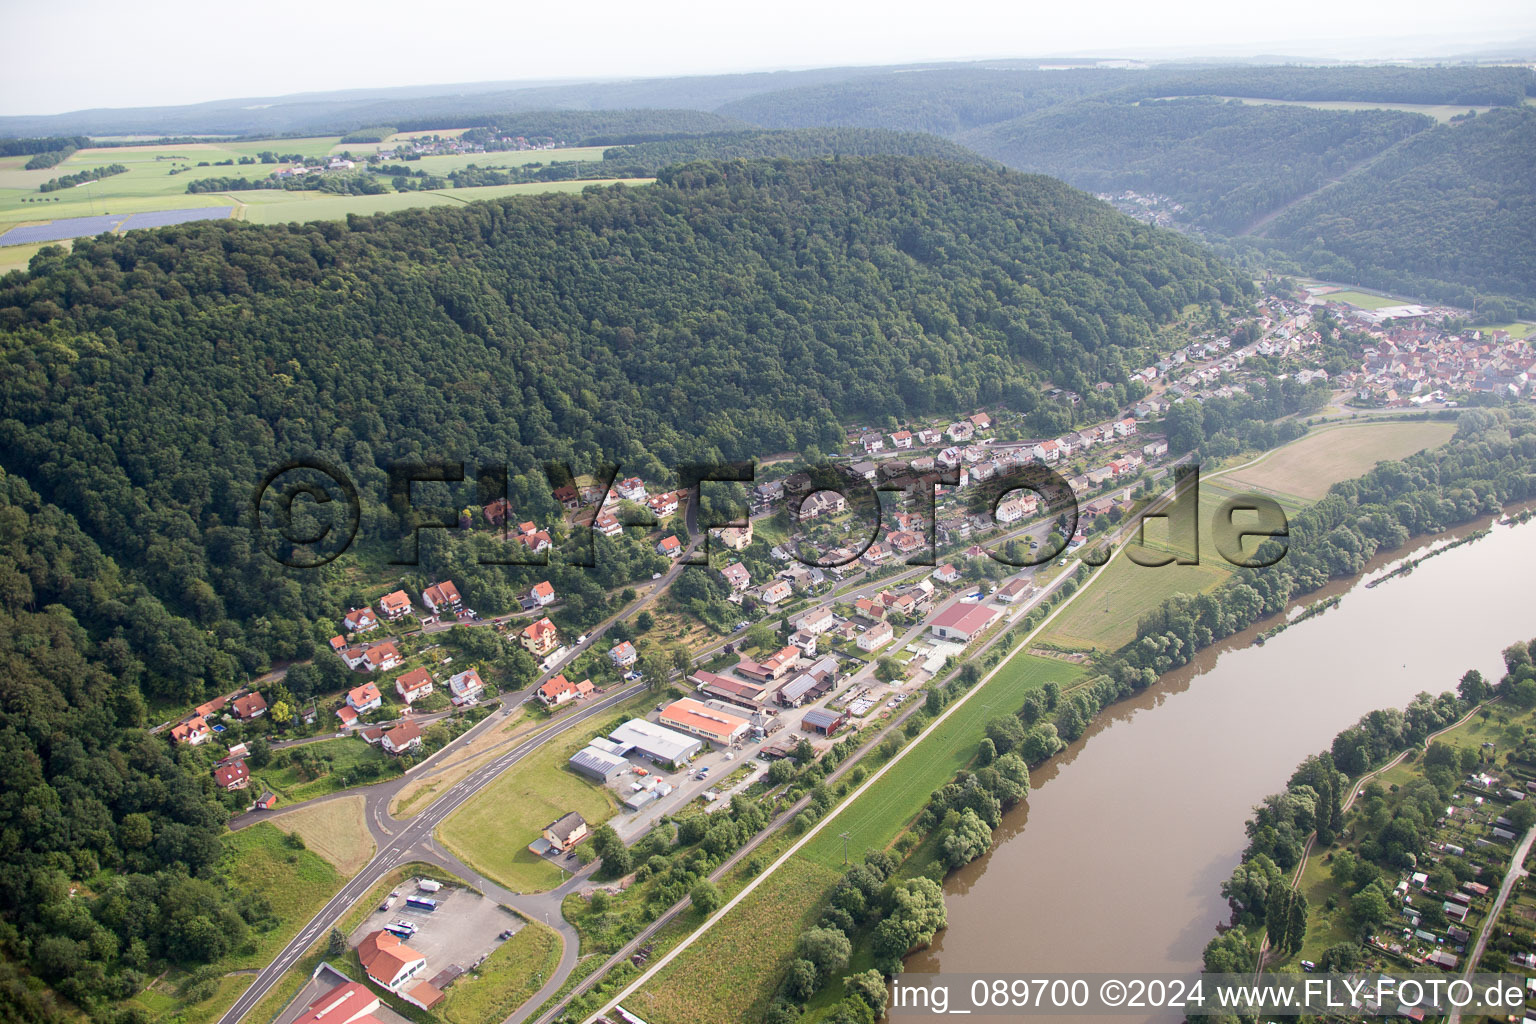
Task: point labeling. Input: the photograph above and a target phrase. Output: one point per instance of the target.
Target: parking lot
(460, 932)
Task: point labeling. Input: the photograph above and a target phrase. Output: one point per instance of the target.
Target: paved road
(1119, 538)
(1516, 871)
(402, 842)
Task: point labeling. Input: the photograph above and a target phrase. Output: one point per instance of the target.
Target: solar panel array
(165, 218)
(84, 227)
(59, 230)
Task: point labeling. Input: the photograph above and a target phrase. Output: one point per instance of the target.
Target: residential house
(414, 685)
(736, 538)
(403, 737)
(540, 638)
(365, 698)
(497, 511)
(901, 439)
(773, 593)
(565, 831)
(466, 686)
(1125, 427)
(1012, 591)
(394, 606)
(670, 546)
(663, 504)
(542, 594)
(382, 657)
(981, 422)
(623, 655)
(875, 636)
(631, 489)
(960, 431)
(1155, 450)
(556, 691)
(817, 620)
(359, 620)
(822, 503)
(928, 436)
(232, 776)
(866, 469)
(946, 573)
(252, 705)
(872, 443)
(736, 576)
(870, 609)
(607, 524)
(191, 732)
(442, 598)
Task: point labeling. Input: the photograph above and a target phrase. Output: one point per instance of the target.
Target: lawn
(491, 832)
(1516, 330)
(350, 760)
(1124, 591)
(335, 830)
(1363, 300)
(507, 979)
(875, 819)
(723, 978)
(18, 257)
(1307, 467)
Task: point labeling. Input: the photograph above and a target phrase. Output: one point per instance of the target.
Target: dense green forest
(152, 378)
(1229, 162)
(589, 127)
(798, 144)
(1447, 213)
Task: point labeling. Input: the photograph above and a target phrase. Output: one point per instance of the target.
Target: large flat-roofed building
(597, 764)
(961, 622)
(699, 719)
(656, 742)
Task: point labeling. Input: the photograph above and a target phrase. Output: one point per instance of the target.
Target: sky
(74, 54)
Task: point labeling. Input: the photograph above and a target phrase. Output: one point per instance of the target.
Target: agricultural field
(149, 186)
(276, 206)
(507, 979)
(491, 832)
(1363, 300)
(1306, 468)
(1442, 112)
(1519, 329)
(335, 830)
(339, 764)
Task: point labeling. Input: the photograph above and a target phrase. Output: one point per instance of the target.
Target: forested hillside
(1229, 162)
(1450, 212)
(150, 379)
(798, 144)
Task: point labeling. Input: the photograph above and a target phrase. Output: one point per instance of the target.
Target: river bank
(1134, 829)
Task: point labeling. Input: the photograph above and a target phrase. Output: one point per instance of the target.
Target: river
(1114, 862)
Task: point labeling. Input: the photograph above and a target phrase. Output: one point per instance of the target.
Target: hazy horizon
(111, 51)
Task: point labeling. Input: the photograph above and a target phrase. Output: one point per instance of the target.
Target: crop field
(335, 830)
(722, 979)
(491, 832)
(148, 186)
(279, 207)
(1306, 468)
(1439, 111)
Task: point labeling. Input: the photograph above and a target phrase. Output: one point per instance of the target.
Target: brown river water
(1114, 862)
